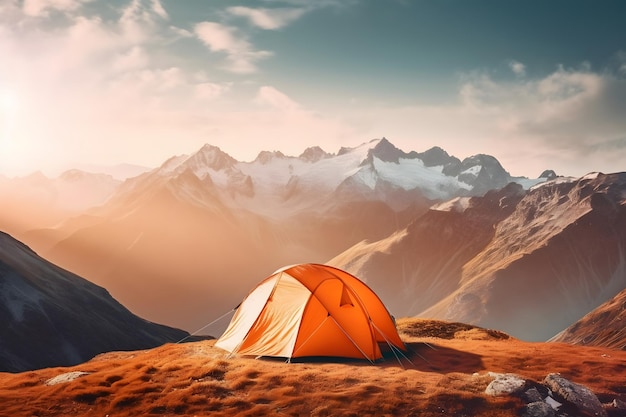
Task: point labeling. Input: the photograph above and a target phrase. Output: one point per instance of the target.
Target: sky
(538, 84)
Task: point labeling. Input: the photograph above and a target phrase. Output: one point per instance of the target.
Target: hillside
(604, 326)
(449, 375)
(51, 317)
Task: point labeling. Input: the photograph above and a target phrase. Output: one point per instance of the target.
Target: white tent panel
(246, 315)
(276, 329)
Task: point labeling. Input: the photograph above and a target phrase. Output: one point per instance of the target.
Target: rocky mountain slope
(528, 262)
(202, 229)
(454, 369)
(51, 317)
(604, 326)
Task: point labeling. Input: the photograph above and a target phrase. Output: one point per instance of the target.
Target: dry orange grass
(447, 377)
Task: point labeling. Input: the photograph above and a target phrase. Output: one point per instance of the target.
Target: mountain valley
(434, 236)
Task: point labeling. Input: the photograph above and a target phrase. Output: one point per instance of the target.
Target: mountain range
(433, 235)
(35, 200)
(194, 234)
(529, 262)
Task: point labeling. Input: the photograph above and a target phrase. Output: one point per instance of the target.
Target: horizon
(122, 171)
(538, 86)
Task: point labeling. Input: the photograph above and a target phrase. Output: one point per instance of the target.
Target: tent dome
(311, 310)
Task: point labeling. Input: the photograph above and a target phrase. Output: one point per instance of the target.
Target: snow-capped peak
(265, 157)
(385, 151)
(210, 156)
(314, 154)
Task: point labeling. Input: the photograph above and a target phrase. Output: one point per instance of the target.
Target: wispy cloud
(43, 7)
(276, 99)
(620, 57)
(241, 55)
(518, 68)
(570, 114)
(269, 19)
(211, 91)
(157, 8)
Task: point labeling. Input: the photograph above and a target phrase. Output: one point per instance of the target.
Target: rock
(538, 409)
(553, 403)
(504, 384)
(532, 395)
(577, 395)
(66, 377)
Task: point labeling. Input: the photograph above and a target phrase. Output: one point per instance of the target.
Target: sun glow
(8, 102)
(8, 115)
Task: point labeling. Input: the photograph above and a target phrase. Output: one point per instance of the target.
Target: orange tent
(311, 310)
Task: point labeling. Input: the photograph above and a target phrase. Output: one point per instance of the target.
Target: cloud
(276, 99)
(620, 58)
(180, 32)
(157, 8)
(518, 68)
(570, 120)
(132, 59)
(139, 22)
(42, 7)
(569, 107)
(98, 84)
(9, 10)
(269, 19)
(240, 53)
(210, 91)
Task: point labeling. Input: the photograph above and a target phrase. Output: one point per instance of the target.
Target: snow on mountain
(557, 180)
(314, 154)
(458, 204)
(274, 182)
(431, 180)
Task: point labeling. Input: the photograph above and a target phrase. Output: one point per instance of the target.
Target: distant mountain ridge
(54, 318)
(377, 164)
(36, 201)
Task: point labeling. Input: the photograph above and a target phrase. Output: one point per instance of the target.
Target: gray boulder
(504, 384)
(538, 409)
(532, 395)
(579, 396)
